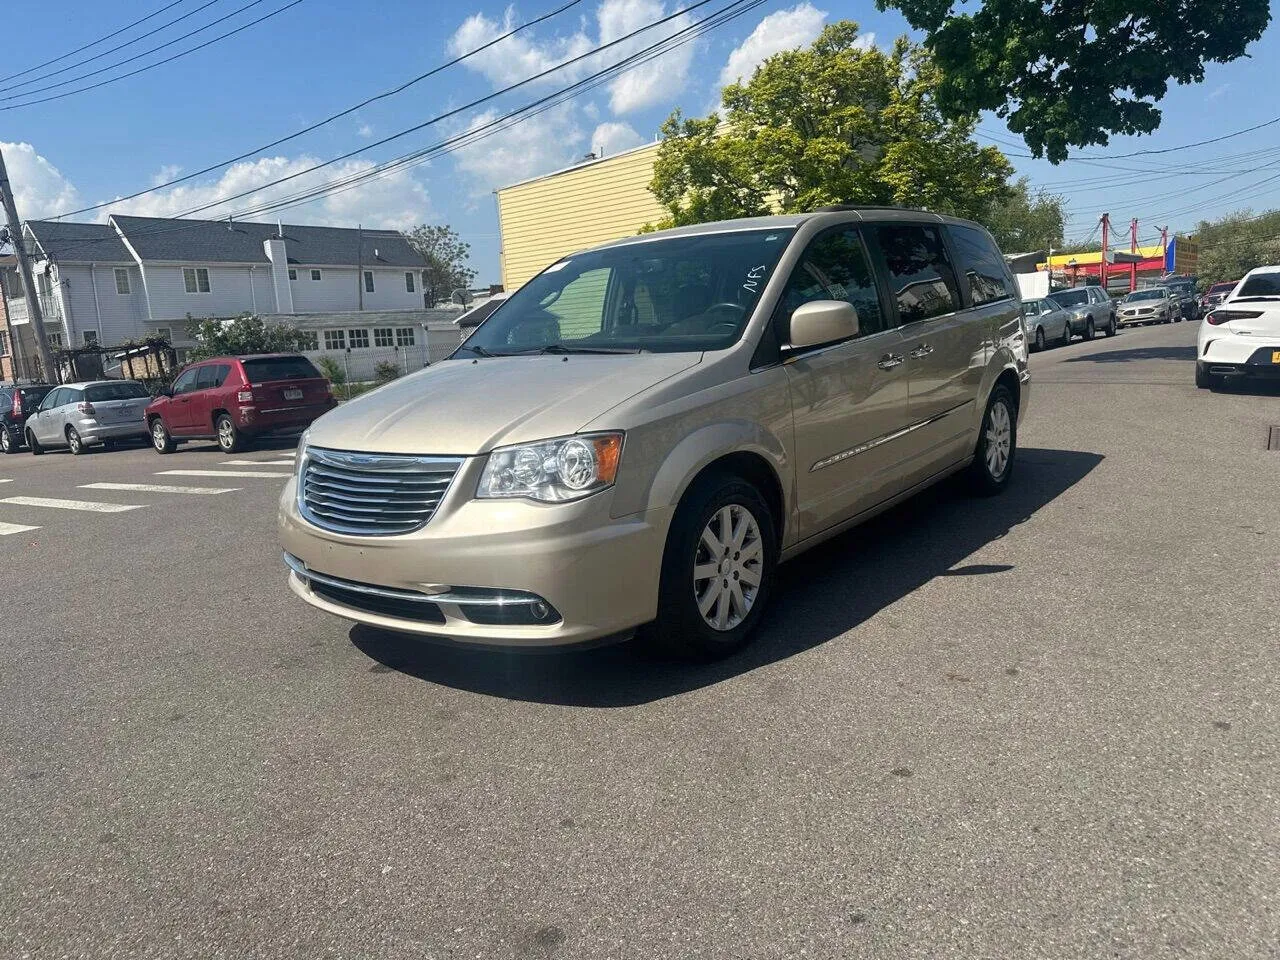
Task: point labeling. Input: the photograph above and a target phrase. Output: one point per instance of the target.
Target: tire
(1089, 331)
(34, 445)
(229, 439)
(75, 444)
(1111, 327)
(1066, 334)
(682, 629)
(161, 441)
(1206, 380)
(7, 443)
(989, 473)
(1040, 339)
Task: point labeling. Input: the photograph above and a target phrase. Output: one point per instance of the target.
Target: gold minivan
(644, 431)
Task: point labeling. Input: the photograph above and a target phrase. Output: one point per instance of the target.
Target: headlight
(567, 468)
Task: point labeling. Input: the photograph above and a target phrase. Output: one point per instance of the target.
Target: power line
(99, 56)
(150, 66)
(103, 39)
(329, 119)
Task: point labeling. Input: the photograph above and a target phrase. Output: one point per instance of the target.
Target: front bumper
(1123, 318)
(598, 573)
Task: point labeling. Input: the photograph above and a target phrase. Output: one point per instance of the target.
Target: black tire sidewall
(7, 443)
(1040, 340)
(680, 629)
(76, 446)
(982, 480)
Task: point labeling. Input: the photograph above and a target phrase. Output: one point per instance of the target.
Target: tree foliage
(1024, 221)
(1064, 73)
(834, 123)
(446, 256)
(1232, 246)
(245, 334)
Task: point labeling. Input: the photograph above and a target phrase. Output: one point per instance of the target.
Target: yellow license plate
(1275, 356)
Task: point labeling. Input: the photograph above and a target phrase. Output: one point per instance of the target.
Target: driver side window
(186, 382)
(835, 266)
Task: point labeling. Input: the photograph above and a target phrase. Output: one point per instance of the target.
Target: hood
(466, 407)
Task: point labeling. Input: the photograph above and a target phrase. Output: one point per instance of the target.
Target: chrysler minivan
(641, 433)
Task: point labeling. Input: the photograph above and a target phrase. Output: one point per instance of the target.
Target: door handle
(889, 361)
(921, 351)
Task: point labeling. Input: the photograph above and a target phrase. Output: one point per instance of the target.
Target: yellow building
(548, 217)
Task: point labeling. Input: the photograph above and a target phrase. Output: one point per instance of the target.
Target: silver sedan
(1046, 323)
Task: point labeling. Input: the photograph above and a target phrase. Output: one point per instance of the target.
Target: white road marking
(221, 473)
(156, 488)
(89, 506)
(257, 463)
(6, 480)
(8, 528)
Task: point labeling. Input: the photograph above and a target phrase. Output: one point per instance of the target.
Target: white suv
(1241, 336)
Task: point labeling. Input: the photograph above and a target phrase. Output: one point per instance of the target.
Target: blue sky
(321, 56)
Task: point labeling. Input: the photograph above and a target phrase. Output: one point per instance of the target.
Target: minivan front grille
(371, 494)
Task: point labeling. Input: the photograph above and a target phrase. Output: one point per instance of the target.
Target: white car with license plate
(80, 415)
(1240, 338)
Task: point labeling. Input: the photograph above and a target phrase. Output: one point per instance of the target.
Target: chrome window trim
(883, 439)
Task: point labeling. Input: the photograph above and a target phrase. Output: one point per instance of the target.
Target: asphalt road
(1043, 725)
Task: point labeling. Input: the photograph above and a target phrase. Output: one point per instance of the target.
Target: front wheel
(34, 445)
(1111, 327)
(997, 444)
(160, 439)
(717, 570)
(1089, 331)
(229, 440)
(1039, 339)
(1066, 334)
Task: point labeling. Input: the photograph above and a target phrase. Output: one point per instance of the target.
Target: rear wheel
(229, 439)
(7, 443)
(717, 570)
(34, 445)
(74, 443)
(997, 444)
(160, 438)
(1039, 339)
(1206, 380)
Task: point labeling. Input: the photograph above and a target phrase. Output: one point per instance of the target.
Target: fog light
(540, 610)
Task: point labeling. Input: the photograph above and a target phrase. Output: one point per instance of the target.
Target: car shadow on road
(823, 594)
(1135, 354)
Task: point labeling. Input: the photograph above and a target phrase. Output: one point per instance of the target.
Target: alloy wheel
(999, 439)
(226, 434)
(158, 438)
(728, 566)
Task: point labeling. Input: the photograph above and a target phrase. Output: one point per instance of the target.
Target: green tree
(245, 334)
(834, 123)
(446, 256)
(1067, 73)
(1232, 246)
(1024, 221)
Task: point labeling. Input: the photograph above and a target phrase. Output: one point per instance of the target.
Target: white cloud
(1218, 91)
(39, 188)
(364, 130)
(543, 143)
(656, 81)
(396, 201)
(784, 30)
(613, 138)
(516, 58)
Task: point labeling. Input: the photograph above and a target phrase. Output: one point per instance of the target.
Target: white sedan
(1241, 336)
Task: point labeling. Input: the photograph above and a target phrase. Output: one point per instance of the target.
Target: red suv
(233, 399)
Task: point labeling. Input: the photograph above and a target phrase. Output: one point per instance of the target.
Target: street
(1039, 725)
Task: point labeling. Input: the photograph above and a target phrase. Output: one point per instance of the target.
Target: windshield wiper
(565, 348)
(479, 351)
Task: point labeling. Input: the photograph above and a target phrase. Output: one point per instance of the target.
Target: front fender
(708, 444)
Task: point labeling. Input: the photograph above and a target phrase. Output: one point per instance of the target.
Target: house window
(359, 339)
(293, 274)
(90, 337)
(368, 281)
(195, 279)
(55, 340)
(308, 340)
(315, 274)
(404, 336)
(382, 337)
(165, 334)
(335, 340)
(122, 280)
(4, 344)
(408, 281)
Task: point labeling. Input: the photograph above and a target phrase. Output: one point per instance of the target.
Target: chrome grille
(372, 494)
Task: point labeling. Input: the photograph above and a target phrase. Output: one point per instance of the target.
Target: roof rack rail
(843, 207)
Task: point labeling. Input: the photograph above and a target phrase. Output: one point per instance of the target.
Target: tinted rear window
(124, 390)
(1222, 287)
(33, 395)
(1071, 298)
(1260, 285)
(279, 368)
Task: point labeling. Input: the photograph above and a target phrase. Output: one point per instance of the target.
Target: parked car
(1091, 310)
(1184, 294)
(234, 399)
(1215, 295)
(644, 430)
(1046, 322)
(1152, 305)
(1240, 338)
(83, 415)
(17, 401)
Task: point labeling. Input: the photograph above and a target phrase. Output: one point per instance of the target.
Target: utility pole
(1133, 248)
(360, 265)
(1164, 250)
(1106, 234)
(34, 314)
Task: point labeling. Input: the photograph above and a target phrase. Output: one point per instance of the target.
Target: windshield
(1145, 295)
(666, 296)
(1223, 287)
(1070, 298)
(279, 368)
(1260, 285)
(124, 390)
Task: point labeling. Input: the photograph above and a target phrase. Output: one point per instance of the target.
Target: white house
(134, 277)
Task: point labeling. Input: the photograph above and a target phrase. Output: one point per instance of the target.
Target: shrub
(385, 372)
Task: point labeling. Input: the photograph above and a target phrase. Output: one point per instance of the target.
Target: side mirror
(822, 321)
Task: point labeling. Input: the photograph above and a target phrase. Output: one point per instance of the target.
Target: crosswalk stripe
(156, 488)
(6, 480)
(221, 473)
(8, 528)
(89, 506)
(257, 463)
